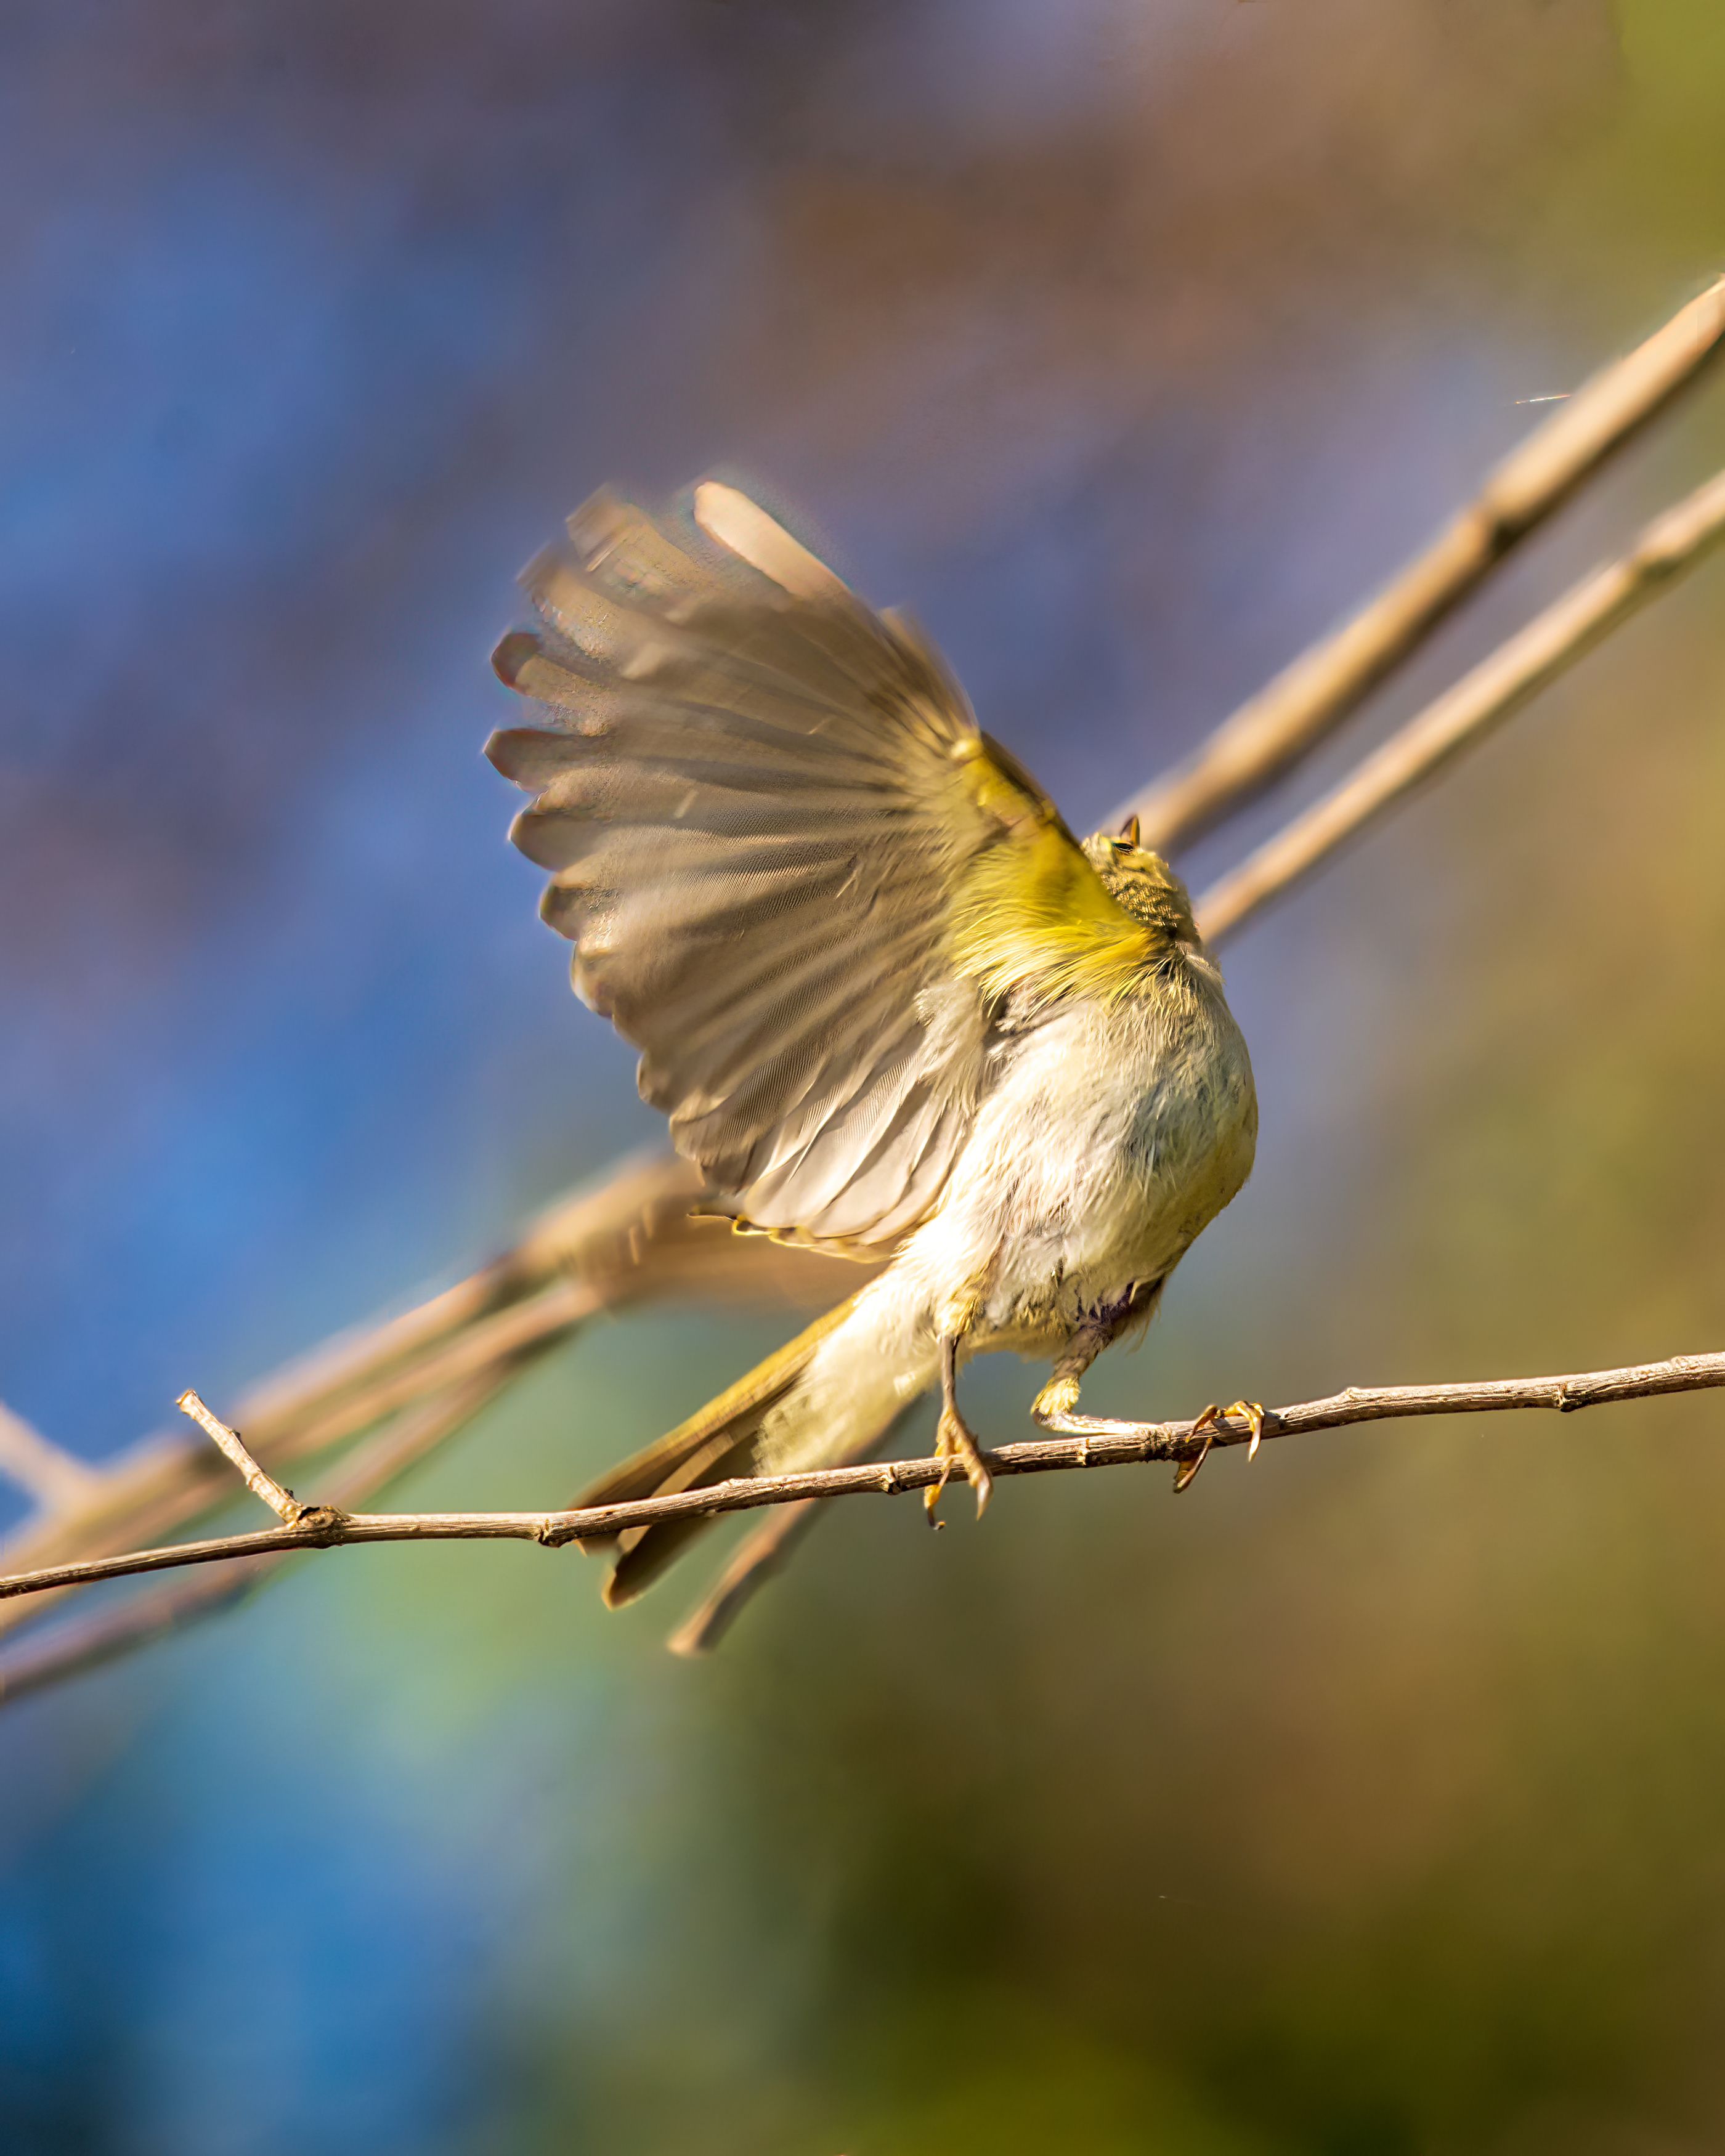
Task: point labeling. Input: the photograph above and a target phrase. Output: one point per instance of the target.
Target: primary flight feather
(888, 1002)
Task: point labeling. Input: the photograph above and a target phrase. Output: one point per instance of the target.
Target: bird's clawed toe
(955, 1445)
(1056, 1400)
(1213, 1420)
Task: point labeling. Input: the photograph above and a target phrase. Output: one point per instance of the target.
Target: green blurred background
(1369, 1801)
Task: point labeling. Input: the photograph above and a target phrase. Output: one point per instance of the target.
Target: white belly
(1109, 1140)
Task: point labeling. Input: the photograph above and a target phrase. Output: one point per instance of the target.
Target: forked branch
(1082, 1441)
(91, 1637)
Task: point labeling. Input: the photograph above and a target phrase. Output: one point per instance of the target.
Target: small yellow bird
(890, 1005)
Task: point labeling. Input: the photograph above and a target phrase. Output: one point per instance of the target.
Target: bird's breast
(1112, 1135)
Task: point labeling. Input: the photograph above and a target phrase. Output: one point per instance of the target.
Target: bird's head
(1142, 883)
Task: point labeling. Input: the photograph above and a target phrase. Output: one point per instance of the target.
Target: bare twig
(1669, 547)
(79, 1643)
(283, 1503)
(53, 1477)
(1310, 698)
(1086, 1441)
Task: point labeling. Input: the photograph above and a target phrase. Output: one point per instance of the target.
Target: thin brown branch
(286, 1506)
(1668, 549)
(1085, 1442)
(1305, 703)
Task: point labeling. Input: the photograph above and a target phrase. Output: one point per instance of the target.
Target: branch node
(321, 1523)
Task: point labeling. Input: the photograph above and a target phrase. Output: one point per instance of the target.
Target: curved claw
(956, 1446)
(1209, 1424)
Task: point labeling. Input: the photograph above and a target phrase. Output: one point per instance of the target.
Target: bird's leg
(1056, 1403)
(953, 1438)
(1250, 1412)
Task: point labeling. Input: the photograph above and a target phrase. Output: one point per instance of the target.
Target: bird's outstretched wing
(796, 874)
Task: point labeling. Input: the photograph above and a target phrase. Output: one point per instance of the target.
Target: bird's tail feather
(722, 1440)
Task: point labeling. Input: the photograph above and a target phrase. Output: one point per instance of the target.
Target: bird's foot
(955, 1445)
(1214, 1418)
(1055, 1402)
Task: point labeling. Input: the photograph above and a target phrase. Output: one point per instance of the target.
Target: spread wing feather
(765, 810)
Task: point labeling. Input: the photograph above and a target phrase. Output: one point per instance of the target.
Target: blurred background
(1371, 1800)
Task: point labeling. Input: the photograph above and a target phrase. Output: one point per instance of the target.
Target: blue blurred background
(1368, 1801)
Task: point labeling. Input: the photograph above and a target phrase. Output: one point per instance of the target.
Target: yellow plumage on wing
(889, 1004)
(1033, 916)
